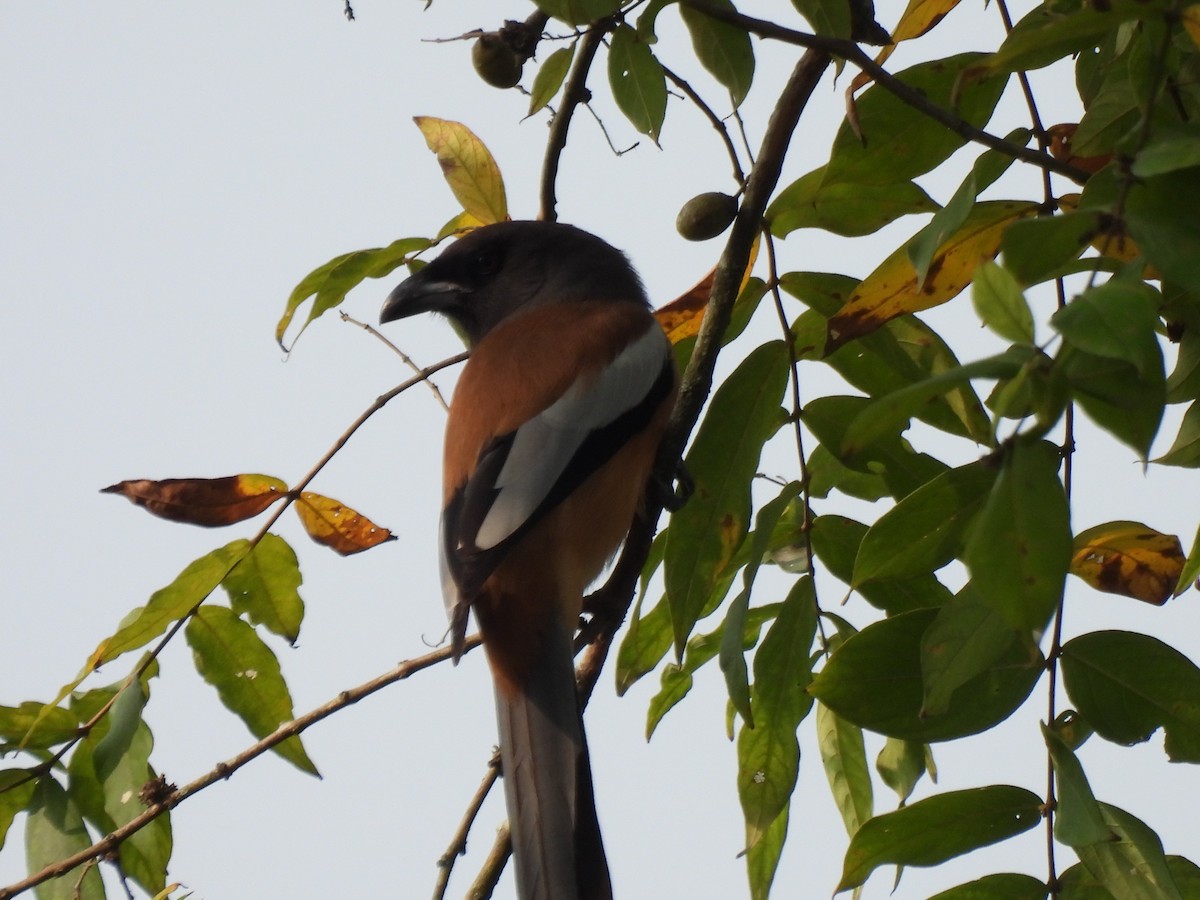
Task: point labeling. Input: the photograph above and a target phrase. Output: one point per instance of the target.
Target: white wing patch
(543, 447)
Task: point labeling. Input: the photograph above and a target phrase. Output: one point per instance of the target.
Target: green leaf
(849, 210)
(967, 637)
(990, 165)
(762, 859)
(1117, 320)
(1159, 215)
(231, 657)
(1133, 866)
(845, 759)
(54, 831)
(1002, 886)
(939, 828)
(836, 539)
(1128, 685)
(826, 473)
(263, 587)
(36, 726)
(926, 529)
(638, 83)
(769, 752)
(1174, 147)
(1056, 30)
(1020, 546)
(898, 145)
(1000, 304)
(189, 589)
(1037, 249)
(648, 637)
(874, 680)
(1185, 449)
(330, 283)
(549, 78)
(1115, 396)
(676, 679)
(1191, 568)
(1078, 820)
(827, 17)
(732, 657)
(16, 791)
(901, 764)
(705, 534)
(903, 351)
(725, 51)
(107, 787)
(892, 412)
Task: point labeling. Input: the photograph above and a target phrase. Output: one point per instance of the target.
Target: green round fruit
(495, 61)
(706, 216)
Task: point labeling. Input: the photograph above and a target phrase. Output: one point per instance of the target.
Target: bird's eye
(485, 263)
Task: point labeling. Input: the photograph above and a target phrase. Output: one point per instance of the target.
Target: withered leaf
(1130, 559)
(681, 318)
(210, 502)
(894, 289)
(338, 527)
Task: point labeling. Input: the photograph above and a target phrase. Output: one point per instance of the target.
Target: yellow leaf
(468, 168)
(681, 318)
(1130, 559)
(918, 18)
(203, 501)
(892, 289)
(1191, 22)
(338, 527)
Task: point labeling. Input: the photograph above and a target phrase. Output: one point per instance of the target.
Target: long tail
(548, 781)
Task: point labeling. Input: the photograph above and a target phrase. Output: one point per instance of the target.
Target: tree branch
(574, 93)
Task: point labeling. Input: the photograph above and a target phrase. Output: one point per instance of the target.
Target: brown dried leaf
(338, 527)
(1130, 559)
(682, 317)
(210, 502)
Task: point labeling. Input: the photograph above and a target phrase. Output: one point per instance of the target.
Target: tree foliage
(970, 552)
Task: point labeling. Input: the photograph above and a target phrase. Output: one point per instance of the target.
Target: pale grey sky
(168, 173)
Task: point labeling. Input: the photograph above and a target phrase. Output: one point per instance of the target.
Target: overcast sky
(168, 173)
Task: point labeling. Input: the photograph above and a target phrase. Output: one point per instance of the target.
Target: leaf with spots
(894, 288)
(468, 168)
(231, 657)
(1130, 559)
(338, 527)
(203, 501)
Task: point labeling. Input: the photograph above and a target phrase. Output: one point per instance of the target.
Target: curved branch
(222, 771)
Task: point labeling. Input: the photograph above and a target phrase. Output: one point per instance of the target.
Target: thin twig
(224, 770)
(458, 843)
(404, 357)
(715, 120)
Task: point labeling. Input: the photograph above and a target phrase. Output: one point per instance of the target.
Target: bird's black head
(490, 273)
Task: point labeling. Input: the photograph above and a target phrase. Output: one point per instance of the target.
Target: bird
(550, 443)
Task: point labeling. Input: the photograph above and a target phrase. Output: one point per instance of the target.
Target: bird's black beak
(418, 294)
